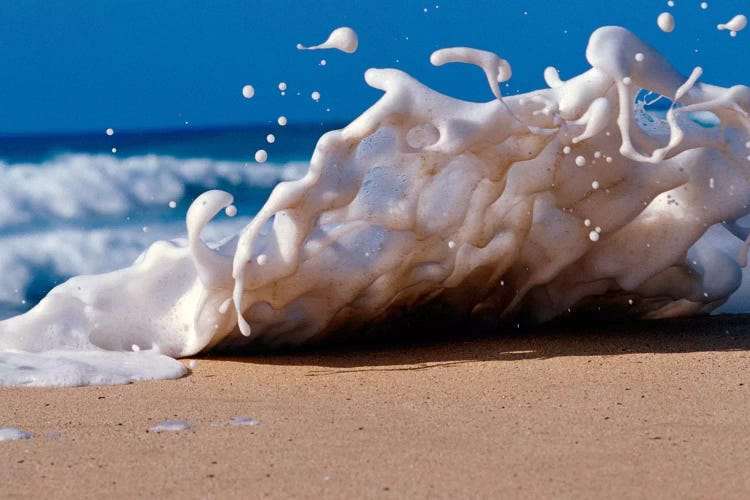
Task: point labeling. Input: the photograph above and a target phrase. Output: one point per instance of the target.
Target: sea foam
(476, 210)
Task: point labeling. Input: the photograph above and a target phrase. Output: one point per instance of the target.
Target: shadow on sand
(446, 346)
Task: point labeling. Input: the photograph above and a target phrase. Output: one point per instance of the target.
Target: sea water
(568, 199)
(69, 206)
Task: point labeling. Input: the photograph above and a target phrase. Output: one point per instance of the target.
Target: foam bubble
(248, 91)
(261, 156)
(665, 21)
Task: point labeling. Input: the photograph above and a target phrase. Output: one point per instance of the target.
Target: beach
(624, 410)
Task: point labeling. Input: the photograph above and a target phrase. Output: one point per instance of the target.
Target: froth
(471, 209)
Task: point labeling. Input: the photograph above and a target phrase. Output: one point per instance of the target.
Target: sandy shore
(652, 409)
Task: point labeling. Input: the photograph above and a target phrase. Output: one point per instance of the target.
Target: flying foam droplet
(282, 86)
(231, 210)
(595, 185)
(580, 161)
(323, 62)
(135, 348)
(665, 21)
(248, 91)
(344, 39)
(737, 23)
(261, 155)
(172, 204)
(262, 259)
(110, 131)
(587, 223)
(704, 5)
(639, 57)
(193, 364)
(315, 96)
(566, 150)
(270, 138)
(282, 121)
(594, 236)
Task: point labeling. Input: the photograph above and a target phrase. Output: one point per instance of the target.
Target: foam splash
(563, 199)
(344, 39)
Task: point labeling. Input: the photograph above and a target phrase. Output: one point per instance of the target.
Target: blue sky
(85, 65)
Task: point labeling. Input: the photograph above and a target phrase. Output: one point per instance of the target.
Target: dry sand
(658, 409)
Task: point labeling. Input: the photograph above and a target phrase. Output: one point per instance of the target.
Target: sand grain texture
(628, 411)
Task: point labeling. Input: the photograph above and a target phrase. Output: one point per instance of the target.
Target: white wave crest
(79, 186)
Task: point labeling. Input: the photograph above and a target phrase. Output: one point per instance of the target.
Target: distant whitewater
(69, 206)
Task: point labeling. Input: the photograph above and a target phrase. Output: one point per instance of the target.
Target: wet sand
(620, 410)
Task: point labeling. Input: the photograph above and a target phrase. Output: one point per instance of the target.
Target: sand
(620, 410)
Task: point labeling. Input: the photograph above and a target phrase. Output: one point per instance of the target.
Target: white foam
(367, 230)
(261, 156)
(12, 434)
(737, 23)
(66, 368)
(665, 21)
(244, 421)
(344, 39)
(248, 91)
(171, 426)
(496, 69)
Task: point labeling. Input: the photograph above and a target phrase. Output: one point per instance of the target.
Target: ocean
(69, 205)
